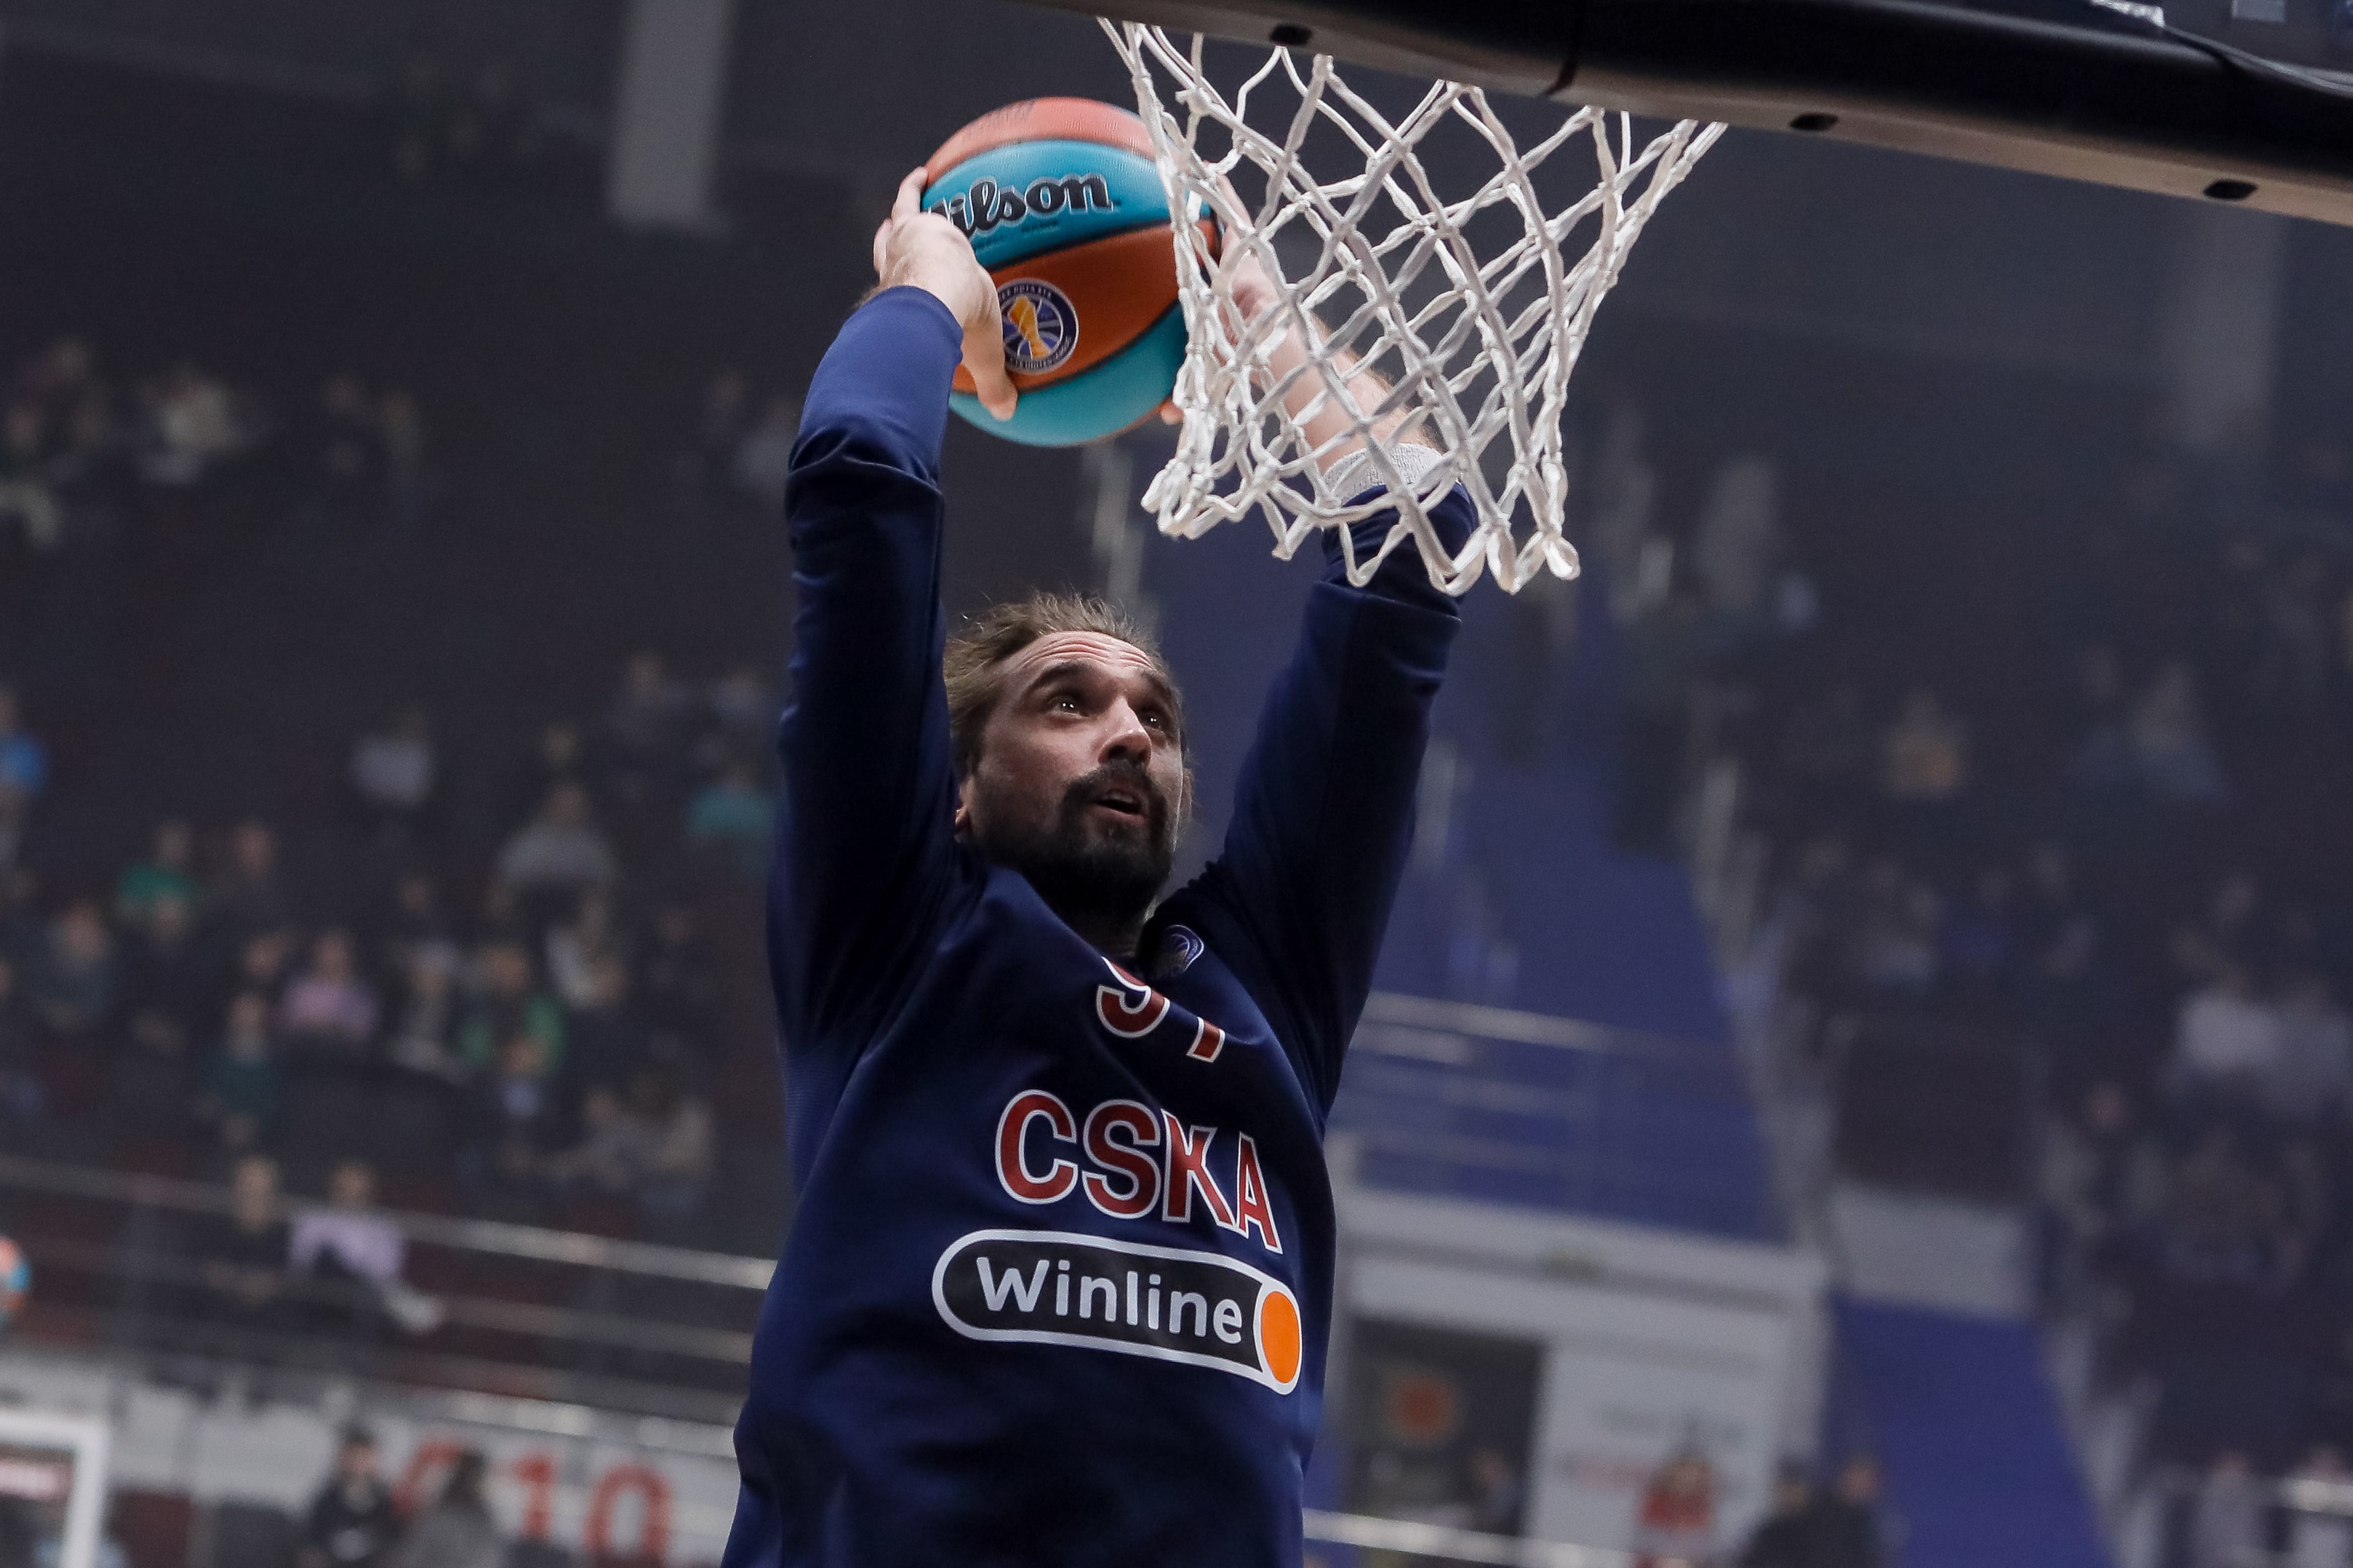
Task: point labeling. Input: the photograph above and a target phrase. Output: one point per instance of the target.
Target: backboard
(2240, 102)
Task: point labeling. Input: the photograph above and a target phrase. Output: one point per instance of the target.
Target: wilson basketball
(1064, 207)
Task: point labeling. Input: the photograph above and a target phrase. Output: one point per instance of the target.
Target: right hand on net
(924, 250)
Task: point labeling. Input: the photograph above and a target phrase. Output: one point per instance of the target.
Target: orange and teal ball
(1064, 207)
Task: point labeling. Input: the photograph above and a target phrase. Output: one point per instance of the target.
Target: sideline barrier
(1437, 1540)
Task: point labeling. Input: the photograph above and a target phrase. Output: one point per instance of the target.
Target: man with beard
(1058, 1284)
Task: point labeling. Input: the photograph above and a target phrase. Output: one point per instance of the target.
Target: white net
(1471, 308)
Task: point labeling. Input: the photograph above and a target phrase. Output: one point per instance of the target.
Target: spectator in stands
(2227, 1045)
(742, 712)
(764, 455)
(2103, 758)
(424, 1036)
(1976, 952)
(416, 927)
(2224, 935)
(263, 961)
(16, 813)
(60, 379)
(2099, 1177)
(557, 756)
(513, 1116)
(2223, 1222)
(85, 462)
(560, 850)
(730, 819)
(395, 769)
(250, 897)
(352, 1254)
(327, 1008)
(612, 1150)
(1925, 755)
(2307, 1203)
(2311, 1081)
(28, 500)
(167, 975)
(2226, 1519)
(241, 1090)
(640, 752)
(508, 1001)
(1842, 1526)
(149, 1080)
(22, 1093)
(605, 1041)
(2047, 896)
(681, 1145)
(1499, 1495)
(501, 917)
(726, 403)
(458, 1531)
(190, 424)
(353, 1523)
(1781, 1540)
(2292, 649)
(167, 872)
(2171, 755)
(1675, 1526)
(2068, 986)
(576, 946)
(648, 706)
(678, 988)
(2318, 1538)
(241, 1255)
(1893, 949)
(23, 760)
(344, 441)
(74, 990)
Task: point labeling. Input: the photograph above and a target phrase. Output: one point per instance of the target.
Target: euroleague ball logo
(1041, 329)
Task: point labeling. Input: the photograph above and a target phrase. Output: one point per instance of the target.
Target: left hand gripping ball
(1064, 207)
(15, 1279)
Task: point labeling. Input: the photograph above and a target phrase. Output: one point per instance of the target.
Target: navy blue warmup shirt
(1058, 1283)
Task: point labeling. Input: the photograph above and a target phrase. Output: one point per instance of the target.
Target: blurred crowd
(80, 450)
(357, 1519)
(2106, 847)
(381, 999)
(1813, 1526)
(546, 1023)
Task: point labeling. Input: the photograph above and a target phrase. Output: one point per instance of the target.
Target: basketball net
(1472, 307)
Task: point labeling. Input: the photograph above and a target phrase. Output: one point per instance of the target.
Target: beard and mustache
(1092, 870)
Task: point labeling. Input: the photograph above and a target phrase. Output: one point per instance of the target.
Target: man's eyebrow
(1063, 668)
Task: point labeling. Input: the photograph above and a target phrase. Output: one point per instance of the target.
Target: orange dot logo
(1278, 1337)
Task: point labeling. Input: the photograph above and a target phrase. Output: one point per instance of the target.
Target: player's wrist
(938, 282)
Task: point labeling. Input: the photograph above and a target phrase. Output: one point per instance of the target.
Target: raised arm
(863, 845)
(1324, 810)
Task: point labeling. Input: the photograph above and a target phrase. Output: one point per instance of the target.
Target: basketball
(1063, 205)
(15, 1279)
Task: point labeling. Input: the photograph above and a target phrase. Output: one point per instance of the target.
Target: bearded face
(1100, 852)
(1081, 784)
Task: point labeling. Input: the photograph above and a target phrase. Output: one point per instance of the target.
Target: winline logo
(1057, 1288)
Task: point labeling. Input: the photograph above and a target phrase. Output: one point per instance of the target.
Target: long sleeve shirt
(1058, 1284)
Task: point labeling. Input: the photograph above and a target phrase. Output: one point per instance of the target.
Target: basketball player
(1060, 1281)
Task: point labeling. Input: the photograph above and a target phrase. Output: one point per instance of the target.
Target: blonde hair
(976, 655)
